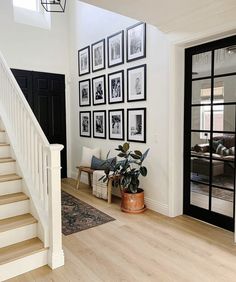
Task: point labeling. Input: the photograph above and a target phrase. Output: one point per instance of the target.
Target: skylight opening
(31, 5)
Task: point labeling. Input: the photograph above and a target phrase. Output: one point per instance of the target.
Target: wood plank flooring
(146, 247)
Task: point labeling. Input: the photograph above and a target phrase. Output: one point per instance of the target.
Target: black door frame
(188, 209)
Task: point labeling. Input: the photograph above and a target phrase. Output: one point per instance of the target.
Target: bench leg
(109, 189)
(89, 180)
(78, 179)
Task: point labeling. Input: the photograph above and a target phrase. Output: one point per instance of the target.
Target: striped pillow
(222, 150)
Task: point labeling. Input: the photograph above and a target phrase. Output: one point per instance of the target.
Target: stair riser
(14, 209)
(5, 151)
(2, 137)
(7, 168)
(10, 187)
(17, 235)
(25, 264)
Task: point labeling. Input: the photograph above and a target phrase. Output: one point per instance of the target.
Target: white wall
(89, 24)
(38, 49)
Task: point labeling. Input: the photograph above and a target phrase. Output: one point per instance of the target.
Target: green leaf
(137, 152)
(143, 170)
(126, 146)
(122, 155)
(144, 155)
(135, 156)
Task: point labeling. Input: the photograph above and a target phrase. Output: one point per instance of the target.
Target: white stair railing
(39, 161)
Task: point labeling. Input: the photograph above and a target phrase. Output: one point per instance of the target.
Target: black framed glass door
(209, 132)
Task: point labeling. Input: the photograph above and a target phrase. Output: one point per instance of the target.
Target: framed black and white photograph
(98, 55)
(99, 124)
(84, 61)
(115, 49)
(136, 125)
(136, 83)
(116, 87)
(85, 124)
(136, 42)
(99, 90)
(84, 93)
(116, 124)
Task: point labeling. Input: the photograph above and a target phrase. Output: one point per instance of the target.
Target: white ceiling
(178, 18)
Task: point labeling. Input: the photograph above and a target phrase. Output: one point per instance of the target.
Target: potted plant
(125, 175)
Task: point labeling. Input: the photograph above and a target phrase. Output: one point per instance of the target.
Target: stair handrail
(38, 161)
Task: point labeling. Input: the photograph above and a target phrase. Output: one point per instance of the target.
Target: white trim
(157, 206)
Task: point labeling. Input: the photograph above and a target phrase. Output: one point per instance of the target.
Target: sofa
(222, 151)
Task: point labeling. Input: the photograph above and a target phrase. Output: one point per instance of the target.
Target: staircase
(20, 248)
(30, 199)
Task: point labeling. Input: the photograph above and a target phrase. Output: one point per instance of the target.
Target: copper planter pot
(133, 203)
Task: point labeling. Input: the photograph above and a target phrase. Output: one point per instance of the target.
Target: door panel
(24, 79)
(209, 132)
(45, 93)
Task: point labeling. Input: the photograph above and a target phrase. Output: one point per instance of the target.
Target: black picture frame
(95, 91)
(136, 92)
(94, 46)
(88, 114)
(122, 131)
(111, 80)
(80, 53)
(133, 125)
(81, 103)
(104, 125)
(138, 55)
(120, 60)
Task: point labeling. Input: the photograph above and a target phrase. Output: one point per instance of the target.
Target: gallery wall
(87, 25)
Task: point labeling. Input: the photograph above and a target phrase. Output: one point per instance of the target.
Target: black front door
(45, 93)
(210, 130)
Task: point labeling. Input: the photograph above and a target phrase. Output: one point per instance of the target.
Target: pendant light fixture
(55, 6)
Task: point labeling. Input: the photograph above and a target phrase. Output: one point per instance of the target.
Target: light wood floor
(145, 247)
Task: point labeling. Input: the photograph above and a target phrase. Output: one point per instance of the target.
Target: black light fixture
(57, 6)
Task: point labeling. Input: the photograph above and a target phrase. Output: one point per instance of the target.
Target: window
(26, 4)
(218, 113)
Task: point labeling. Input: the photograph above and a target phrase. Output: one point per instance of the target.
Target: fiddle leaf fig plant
(126, 171)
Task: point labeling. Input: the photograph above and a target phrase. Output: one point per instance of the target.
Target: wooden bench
(90, 171)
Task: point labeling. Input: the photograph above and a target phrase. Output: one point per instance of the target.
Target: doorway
(209, 132)
(45, 93)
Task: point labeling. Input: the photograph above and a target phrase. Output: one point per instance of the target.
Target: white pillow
(87, 154)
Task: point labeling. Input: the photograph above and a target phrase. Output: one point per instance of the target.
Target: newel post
(56, 254)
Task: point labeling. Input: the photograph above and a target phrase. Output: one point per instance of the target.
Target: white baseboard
(157, 206)
(150, 203)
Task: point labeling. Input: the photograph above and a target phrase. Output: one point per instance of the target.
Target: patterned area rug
(78, 216)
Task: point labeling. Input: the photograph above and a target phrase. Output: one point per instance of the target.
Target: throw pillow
(222, 150)
(215, 144)
(98, 164)
(87, 155)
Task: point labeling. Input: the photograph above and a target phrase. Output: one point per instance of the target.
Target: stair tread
(11, 198)
(7, 160)
(4, 144)
(9, 177)
(16, 222)
(20, 250)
